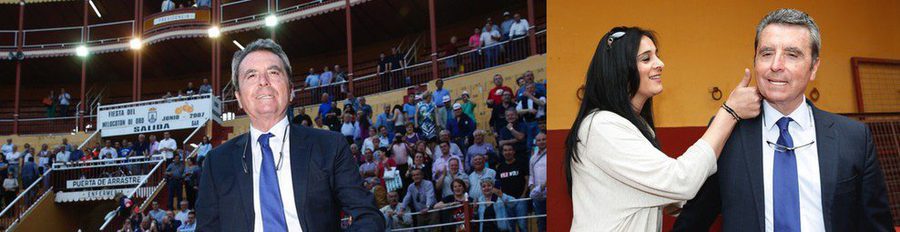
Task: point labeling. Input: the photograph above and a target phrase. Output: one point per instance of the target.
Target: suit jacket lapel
(300, 155)
(751, 144)
(828, 149)
(244, 179)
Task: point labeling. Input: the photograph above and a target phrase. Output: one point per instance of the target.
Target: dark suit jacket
(854, 197)
(326, 182)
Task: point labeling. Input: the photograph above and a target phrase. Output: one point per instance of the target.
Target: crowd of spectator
(182, 174)
(168, 5)
(429, 153)
(190, 90)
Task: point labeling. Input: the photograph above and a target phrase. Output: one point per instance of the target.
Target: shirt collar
(802, 115)
(277, 130)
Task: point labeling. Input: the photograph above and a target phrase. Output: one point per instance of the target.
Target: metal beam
(349, 27)
(531, 39)
(20, 40)
(433, 29)
(80, 109)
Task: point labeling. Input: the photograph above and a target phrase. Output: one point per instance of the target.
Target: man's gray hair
(258, 45)
(796, 18)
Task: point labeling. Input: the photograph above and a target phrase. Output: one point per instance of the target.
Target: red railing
(885, 129)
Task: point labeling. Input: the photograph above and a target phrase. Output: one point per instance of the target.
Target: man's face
(509, 153)
(166, 135)
(191, 218)
(541, 141)
(439, 84)
(511, 116)
(264, 86)
(445, 136)
(417, 176)
(383, 132)
(507, 96)
(783, 63)
(369, 155)
(478, 162)
(498, 80)
(392, 198)
(479, 138)
(445, 149)
(155, 205)
(457, 112)
(184, 205)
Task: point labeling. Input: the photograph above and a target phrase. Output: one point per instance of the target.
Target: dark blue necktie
(269, 193)
(785, 190)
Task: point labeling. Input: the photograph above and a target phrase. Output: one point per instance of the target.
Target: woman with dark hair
(399, 119)
(617, 175)
(458, 198)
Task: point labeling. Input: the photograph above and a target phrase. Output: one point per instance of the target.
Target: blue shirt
(326, 77)
(540, 89)
(460, 127)
(324, 108)
(438, 97)
(383, 121)
(203, 149)
(312, 80)
(410, 110)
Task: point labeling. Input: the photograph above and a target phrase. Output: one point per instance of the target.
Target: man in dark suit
(279, 177)
(795, 167)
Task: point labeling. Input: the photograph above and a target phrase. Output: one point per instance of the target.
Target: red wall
(674, 141)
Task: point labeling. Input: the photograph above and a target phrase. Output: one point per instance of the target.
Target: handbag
(392, 180)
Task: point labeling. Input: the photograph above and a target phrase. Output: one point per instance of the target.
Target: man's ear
(814, 69)
(237, 96)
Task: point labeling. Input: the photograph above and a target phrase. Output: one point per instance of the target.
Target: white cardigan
(623, 182)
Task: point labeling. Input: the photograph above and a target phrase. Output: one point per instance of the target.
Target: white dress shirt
(170, 144)
(285, 181)
(803, 131)
(519, 28)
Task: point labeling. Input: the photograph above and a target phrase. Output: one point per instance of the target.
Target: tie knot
(783, 123)
(264, 139)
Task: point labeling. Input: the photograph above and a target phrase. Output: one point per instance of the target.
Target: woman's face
(420, 158)
(487, 189)
(650, 68)
(458, 188)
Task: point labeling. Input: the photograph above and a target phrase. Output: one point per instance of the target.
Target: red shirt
(496, 95)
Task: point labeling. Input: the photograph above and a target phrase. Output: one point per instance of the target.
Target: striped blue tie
(785, 190)
(269, 193)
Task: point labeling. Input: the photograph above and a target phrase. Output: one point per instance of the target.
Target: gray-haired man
(787, 170)
(278, 176)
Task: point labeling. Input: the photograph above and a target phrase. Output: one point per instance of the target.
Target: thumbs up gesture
(745, 99)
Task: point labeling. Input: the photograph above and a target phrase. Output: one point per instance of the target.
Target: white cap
(457, 106)
(465, 93)
(446, 98)
(418, 96)
(506, 13)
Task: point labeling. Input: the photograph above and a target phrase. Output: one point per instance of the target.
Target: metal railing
(469, 222)
(15, 35)
(25, 201)
(885, 131)
(155, 179)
